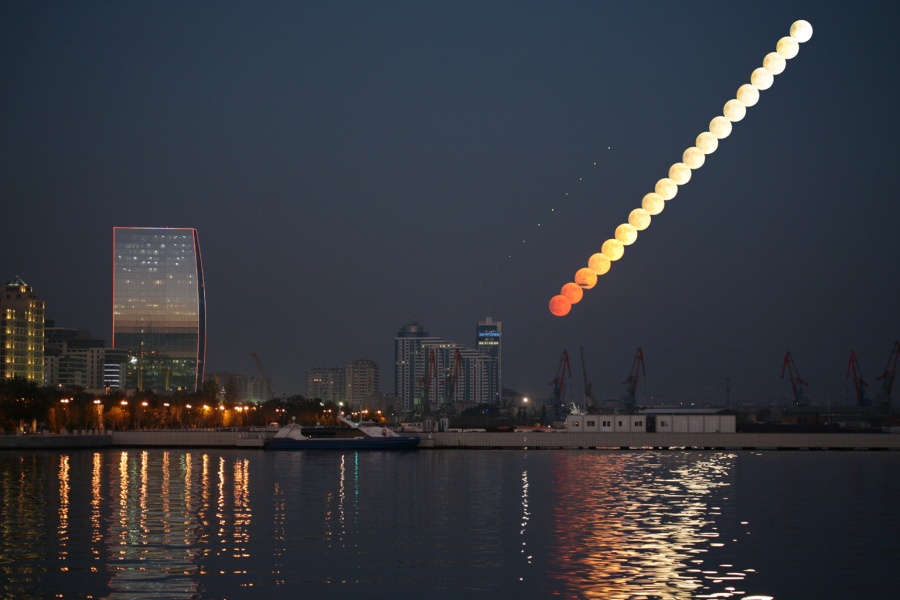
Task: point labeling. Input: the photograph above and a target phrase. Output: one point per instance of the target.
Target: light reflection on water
(569, 524)
(628, 528)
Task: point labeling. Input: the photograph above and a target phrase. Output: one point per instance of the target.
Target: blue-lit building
(436, 375)
(489, 341)
(159, 306)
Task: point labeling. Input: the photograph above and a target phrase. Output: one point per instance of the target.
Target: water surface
(448, 524)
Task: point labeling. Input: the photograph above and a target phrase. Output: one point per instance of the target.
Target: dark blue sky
(353, 166)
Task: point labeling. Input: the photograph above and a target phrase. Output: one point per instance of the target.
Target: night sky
(354, 166)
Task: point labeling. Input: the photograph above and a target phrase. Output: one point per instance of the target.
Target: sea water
(522, 524)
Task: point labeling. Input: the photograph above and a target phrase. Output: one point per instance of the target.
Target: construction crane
(887, 378)
(430, 374)
(452, 378)
(588, 388)
(559, 385)
(267, 384)
(797, 383)
(637, 369)
(859, 384)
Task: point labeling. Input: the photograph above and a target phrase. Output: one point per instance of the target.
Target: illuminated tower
(159, 306)
(21, 333)
(488, 341)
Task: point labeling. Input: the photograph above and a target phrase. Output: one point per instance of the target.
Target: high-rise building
(21, 332)
(325, 383)
(361, 380)
(159, 306)
(433, 374)
(73, 358)
(409, 364)
(488, 340)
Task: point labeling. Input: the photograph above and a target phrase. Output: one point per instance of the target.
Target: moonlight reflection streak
(707, 142)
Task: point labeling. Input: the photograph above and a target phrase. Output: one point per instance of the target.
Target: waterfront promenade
(473, 439)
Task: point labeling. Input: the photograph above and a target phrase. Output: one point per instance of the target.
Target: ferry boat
(373, 437)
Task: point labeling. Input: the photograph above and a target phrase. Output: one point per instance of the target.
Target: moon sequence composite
(693, 158)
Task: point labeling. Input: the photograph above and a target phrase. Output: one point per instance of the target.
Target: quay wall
(725, 441)
(191, 438)
(476, 439)
(55, 441)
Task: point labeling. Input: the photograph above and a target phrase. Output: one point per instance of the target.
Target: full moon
(612, 249)
(572, 292)
(693, 158)
(707, 142)
(762, 78)
(666, 188)
(626, 233)
(748, 95)
(639, 219)
(734, 110)
(586, 278)
(801, 31)
(653, 203)
(599, 263)
(680, 173)
(560, 306)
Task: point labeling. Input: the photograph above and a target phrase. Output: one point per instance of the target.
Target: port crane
(797, 383)
(559, 385)
(859, 384)
(267, 384)
(431, 374)
(887, 378)
(588, 388)
(637, 369)
(451, 380)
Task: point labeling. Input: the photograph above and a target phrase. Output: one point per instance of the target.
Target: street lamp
(99, 410)
(123, 412)
(65, 403)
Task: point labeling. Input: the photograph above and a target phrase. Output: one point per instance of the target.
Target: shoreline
(550, 440)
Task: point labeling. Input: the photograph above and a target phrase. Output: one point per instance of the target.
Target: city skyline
(353, 168)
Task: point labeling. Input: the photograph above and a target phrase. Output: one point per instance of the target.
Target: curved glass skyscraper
(159, 306)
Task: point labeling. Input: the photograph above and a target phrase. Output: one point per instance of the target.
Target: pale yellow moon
(734, 110)
(612, 249)
(639, 219)
(666, 188)
(707, 142)
(720, 127)
(787, 47)
(693, 158)
(762, 78)
(801, 31)
(626, 233)
(748, 95)
(774, 63)
(599, 263)
(680, 173)
(653, 203)
(585, 278)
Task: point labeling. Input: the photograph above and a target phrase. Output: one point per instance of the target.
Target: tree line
(28, 407)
